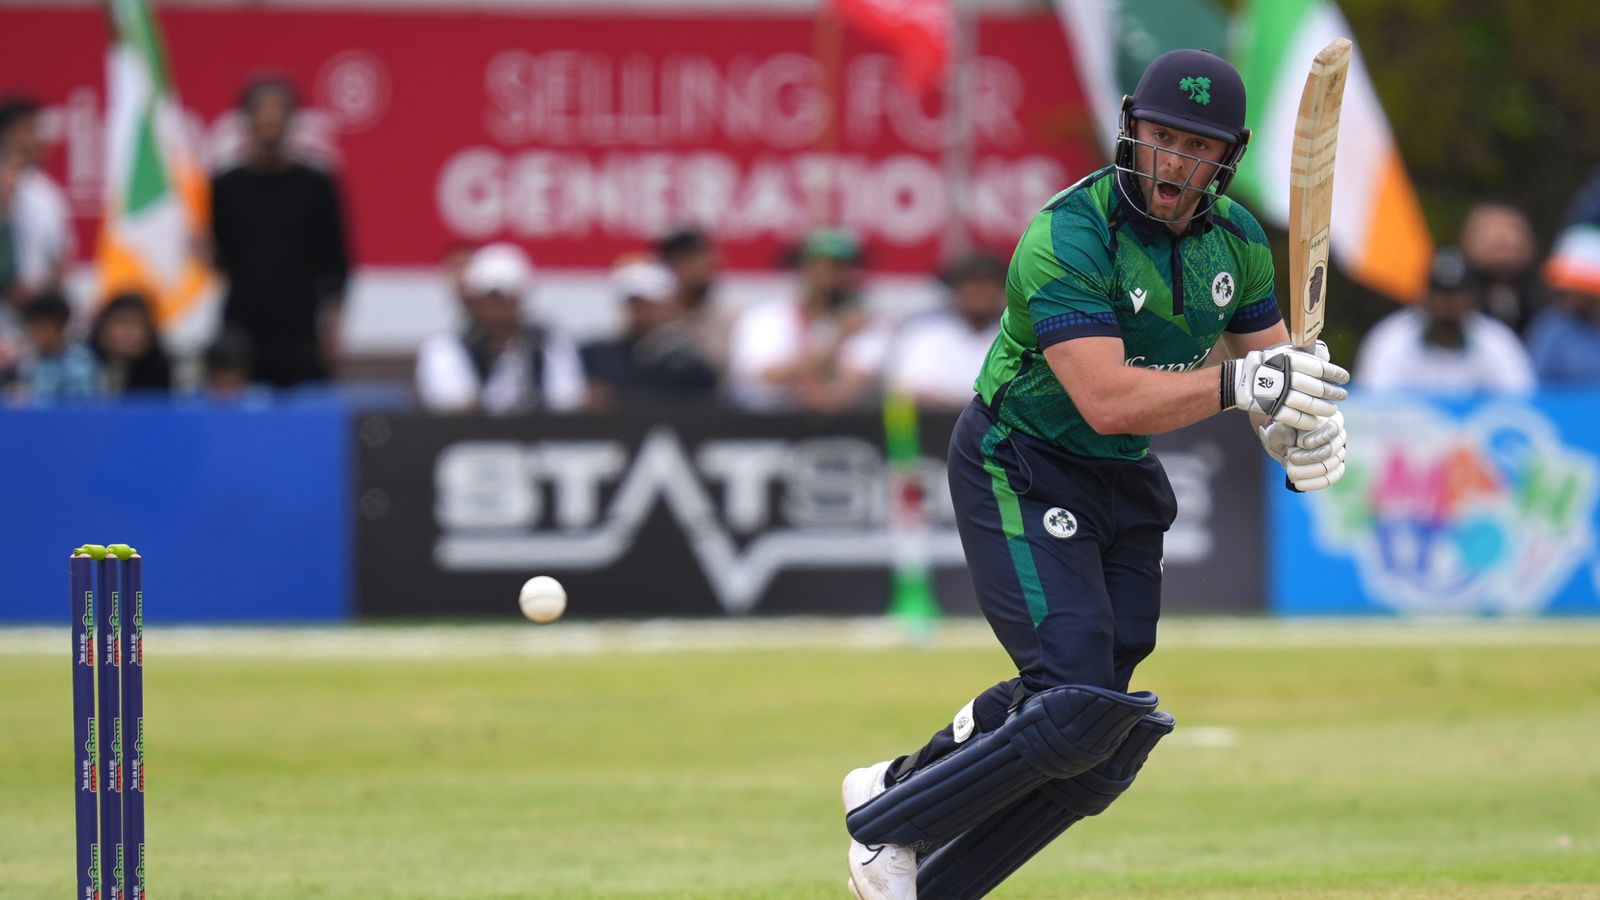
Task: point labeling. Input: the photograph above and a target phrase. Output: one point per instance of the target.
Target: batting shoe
(877, 871)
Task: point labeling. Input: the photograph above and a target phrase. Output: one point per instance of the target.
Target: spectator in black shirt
(695, 264)
(279, 239)
(658, 356)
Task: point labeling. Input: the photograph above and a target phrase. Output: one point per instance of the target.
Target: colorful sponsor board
(1449, 509)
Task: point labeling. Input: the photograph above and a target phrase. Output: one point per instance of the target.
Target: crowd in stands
(1498, 316)
(277, 240)
(816, 349)
(1498, 319)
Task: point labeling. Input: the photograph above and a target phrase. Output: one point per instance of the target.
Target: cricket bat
(1316, 139)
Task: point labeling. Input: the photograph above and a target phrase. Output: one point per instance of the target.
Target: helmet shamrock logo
(1199, 88)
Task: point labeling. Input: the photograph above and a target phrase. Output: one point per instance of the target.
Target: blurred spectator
(658, 357)
(499, 363)
(1444, 345)
(1498, 244)
(56, 368)
(279, 236)
(127, 344)
(1564, 340)
(688, 252)
(228, 366)
(694, 262)
(936, 357)
(36, 241)
(818, 351)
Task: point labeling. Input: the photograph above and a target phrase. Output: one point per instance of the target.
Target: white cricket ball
(543, 599)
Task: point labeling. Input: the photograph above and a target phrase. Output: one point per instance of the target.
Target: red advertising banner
(584, 136)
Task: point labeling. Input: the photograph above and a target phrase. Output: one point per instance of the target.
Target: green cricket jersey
(1090, 265)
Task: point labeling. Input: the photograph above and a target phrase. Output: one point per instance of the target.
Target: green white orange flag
(156, 203)
(1379, 236)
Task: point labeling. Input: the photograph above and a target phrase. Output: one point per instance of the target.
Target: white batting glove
(1294, 387)
(1317, 348)
(1276, 439)
(1316, 460)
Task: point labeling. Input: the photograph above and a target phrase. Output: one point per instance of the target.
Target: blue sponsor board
(241, 511)
(1478, 508)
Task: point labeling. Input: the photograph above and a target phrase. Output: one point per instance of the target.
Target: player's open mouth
(1167, 193)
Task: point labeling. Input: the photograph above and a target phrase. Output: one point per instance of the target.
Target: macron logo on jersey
(1137, 295)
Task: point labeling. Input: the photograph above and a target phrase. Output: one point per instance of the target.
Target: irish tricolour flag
(1378, 233)
(1379, 237)
(156, 192)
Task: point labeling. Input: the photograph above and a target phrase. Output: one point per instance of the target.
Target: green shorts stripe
(1011, 524)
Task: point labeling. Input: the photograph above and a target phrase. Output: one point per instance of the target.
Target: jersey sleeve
(1063, 270)
(1258, 304)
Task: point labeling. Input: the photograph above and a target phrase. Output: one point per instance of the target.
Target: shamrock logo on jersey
(1222, 289)
(1199, 88)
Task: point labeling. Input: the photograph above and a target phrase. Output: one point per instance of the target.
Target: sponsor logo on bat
(1314, 287)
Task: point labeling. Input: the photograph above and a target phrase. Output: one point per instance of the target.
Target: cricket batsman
(1117, 292)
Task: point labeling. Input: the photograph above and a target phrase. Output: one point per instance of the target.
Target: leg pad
(1055, 734)
(975, 863)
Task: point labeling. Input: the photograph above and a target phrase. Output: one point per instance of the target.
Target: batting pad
(975, 863)
(1058, 733)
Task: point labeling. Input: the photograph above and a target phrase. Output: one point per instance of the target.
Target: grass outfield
(662, 761)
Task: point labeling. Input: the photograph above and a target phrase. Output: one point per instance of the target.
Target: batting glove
(1317, 459)
(1313, 459)
(1294, 387)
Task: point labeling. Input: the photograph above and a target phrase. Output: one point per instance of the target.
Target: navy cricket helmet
(1195, 91)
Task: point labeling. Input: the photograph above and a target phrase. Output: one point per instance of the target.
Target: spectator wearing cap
(817, 351)
(499, 363)
(1445, 345)
(695, 264)
(936, 357)
(658, 356)
(278, 235)
(1564, 340)
(56, 367)
(36, 239)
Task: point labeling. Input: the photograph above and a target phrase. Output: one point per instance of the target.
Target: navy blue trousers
(1065, 555)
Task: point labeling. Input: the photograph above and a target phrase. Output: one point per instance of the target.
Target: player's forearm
(1115, 398)
(1147, 401)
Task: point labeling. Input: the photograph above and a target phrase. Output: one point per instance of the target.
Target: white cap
(645, 279)
(501, 268)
